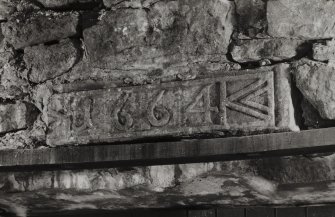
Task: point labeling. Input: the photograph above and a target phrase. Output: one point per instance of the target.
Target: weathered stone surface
(170, 33)
(27, 6)
(191, 171)
(32, 137)
(84, 76)
(271, 181)
(312, 118)
(13, 85)
(117, 3)
(7, 53)
(23, 30)
(260, 49)
(316, 81)
(252, 16)
(64, 3)
(302, 19)
(13, 117)
(114, 4)
(48, 62)
(233, 102)
(161, 177)
(324, 52)
(297, 169)
(7, 8)
(284, 105)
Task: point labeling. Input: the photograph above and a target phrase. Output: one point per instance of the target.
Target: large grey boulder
(169, 33)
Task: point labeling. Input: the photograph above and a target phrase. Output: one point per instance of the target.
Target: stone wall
(79, 72)
(72, 71)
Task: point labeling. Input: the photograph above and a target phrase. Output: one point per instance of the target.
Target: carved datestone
(240, 101)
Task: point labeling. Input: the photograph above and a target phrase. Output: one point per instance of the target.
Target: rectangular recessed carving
(243, 101)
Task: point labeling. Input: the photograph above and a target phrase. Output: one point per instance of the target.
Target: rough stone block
(242, 101)
(316, 81)
(169, 33)
(260, 49)
(13, 117)
(303, 19)
(252, 16)
(48, 62)
(324, 52)
(13, 85)
(23, 30)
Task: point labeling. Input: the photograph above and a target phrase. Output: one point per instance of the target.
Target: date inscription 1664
(242, 101)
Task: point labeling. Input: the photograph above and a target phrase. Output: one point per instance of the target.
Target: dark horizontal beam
(185, 151)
